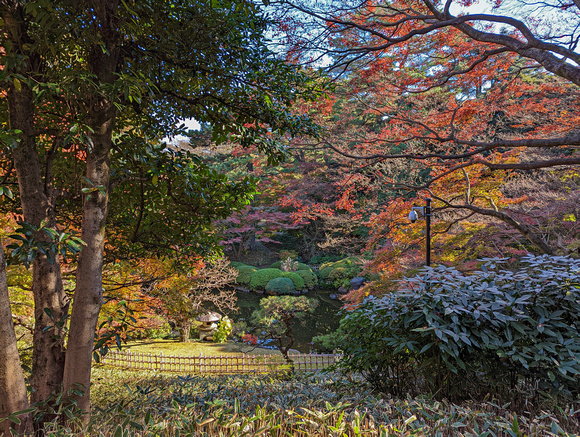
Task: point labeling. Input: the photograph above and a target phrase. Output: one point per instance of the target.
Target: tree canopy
(89, 90)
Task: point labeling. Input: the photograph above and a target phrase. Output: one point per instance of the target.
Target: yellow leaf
(17, 85)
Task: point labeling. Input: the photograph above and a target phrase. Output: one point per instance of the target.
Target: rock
(356, 283)
(333, 296)
(342, 290)
(306, 290)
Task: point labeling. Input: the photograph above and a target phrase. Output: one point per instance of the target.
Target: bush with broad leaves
(462, 335)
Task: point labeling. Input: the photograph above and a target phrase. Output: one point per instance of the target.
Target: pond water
(324, 320)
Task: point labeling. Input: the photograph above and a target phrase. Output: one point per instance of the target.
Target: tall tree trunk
(13, 395)
(88, 297)
(50, 301)
(184, 331)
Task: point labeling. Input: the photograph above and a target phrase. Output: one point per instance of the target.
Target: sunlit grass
(152, 404)
(195, 348)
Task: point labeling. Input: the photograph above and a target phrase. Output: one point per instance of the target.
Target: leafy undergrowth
(194, 348)
(149, 404)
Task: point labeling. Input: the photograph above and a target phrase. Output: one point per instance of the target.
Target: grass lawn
(195, 348)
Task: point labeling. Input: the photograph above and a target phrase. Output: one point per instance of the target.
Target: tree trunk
(50, 301)
(184, 331)
(13, 395)
(88, 297)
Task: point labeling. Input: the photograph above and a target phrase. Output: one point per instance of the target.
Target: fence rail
(216, 364)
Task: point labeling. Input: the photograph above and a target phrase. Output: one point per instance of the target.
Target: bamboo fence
(216, 364)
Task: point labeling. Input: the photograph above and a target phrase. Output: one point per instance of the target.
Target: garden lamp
(425, 212)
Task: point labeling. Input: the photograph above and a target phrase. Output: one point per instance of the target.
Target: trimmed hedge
(244, 274)
(339, 273)
(295, 278)
(325, 273)
(236, 264)
(310, 278)
(260, 278)
(301, 266)
(280, 286)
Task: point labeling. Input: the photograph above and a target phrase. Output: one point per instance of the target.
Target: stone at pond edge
(356, 283)
(342, 290)
(333, 296)
(306, 290)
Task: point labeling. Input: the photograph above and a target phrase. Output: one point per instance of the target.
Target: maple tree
(300, 200)
(243, 229)
(472, 110)
(190, 290)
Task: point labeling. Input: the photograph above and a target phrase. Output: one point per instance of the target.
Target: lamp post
(425, 212)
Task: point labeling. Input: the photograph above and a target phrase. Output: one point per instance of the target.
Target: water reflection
(324, 320)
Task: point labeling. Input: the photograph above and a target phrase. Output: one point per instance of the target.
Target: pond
(324, 320)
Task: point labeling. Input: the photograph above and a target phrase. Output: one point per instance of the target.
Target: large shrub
(280, 286)
(339, 273)
(325, 273)
(494, 330)
(237, 264)
(295, 278)
(224, 330)
(244, 274)
(260, 278)
(309, 277)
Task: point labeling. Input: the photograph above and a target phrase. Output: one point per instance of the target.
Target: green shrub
(339, 273)
(288, 254)
(260, 278)
(280, 286)
(224, 330)
(325, 273)
(330, 342)
(494, 331)
(295, 278)
(309, 277)
(321, 259)
(345, 262)
(236, 264)
(244, 274)
(301, 266)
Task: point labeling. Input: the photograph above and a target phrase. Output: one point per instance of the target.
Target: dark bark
(184, 332)
(88, 297)
(528, 233)
(13, 395)
(49, 295)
